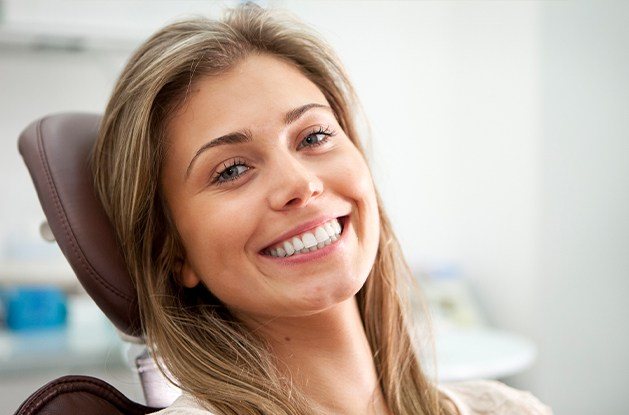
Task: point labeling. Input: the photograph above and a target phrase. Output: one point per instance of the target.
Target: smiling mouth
(309, 241)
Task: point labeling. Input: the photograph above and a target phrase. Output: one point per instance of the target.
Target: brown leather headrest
(56, 150)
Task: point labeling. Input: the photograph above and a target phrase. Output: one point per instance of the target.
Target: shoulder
(489, 397)
(185, 405)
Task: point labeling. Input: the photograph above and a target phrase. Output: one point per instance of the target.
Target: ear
(186, 275)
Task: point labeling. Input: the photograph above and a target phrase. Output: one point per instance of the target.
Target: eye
(316, 137)
(231, 172)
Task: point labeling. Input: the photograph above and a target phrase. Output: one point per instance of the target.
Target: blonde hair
(199, 343)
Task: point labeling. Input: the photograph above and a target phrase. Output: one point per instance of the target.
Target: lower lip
(314, 255)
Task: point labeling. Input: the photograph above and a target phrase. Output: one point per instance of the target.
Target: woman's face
(256, 159)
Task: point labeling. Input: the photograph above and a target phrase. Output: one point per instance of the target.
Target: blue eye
(316, 138)
(231, 172)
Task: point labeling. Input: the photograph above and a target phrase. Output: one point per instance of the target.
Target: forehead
(254, 94)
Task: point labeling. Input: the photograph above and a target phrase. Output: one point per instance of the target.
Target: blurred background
(500, 147)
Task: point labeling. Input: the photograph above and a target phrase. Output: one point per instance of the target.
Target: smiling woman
(289, 178)
(268, 277)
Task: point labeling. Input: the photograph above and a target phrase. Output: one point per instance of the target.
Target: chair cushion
(80, 395)
(57, 150)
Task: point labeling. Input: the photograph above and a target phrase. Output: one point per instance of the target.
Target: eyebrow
(245, 136)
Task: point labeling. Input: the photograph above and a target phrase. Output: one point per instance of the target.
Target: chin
(322, 297)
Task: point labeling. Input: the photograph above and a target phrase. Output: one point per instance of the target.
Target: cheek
(214, 241)
(354, 181)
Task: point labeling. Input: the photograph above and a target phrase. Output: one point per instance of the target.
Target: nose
(295, 184)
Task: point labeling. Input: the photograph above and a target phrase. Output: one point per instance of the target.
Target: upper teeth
(308, 241)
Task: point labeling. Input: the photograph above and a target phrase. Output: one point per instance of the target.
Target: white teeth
(288, 247)
(309, 240)
(321, 235)
(297, 243)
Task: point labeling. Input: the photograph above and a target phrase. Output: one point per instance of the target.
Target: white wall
(499, 144)
(585, 207)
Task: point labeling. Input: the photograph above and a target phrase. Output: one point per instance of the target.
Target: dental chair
(56, 150)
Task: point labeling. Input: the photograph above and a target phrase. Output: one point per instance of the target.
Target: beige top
(489, 397)
(481, 397)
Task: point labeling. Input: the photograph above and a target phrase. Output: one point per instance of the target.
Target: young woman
(269, 279)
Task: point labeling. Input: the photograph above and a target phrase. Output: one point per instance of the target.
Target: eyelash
(327, 133)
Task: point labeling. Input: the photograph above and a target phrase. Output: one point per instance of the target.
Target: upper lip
(306, 226)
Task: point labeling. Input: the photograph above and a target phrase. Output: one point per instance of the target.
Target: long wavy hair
(200, 346)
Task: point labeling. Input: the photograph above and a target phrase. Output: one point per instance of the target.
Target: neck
(327, 356)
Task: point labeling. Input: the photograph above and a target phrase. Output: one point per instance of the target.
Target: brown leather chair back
(56, 150)
(80, 395)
